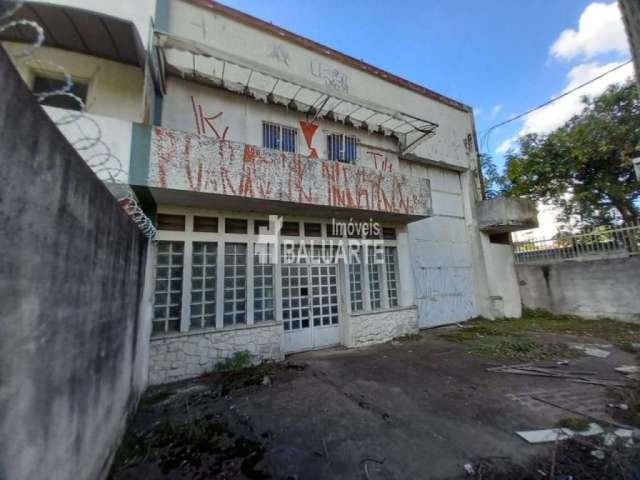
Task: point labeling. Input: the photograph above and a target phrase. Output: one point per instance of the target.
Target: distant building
(235, 134)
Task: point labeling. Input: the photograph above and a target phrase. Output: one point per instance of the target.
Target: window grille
(279, 137)
(342, 148)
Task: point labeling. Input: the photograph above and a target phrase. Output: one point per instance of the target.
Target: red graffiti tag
(203, 121)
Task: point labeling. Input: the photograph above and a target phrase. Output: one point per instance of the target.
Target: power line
(554, 99)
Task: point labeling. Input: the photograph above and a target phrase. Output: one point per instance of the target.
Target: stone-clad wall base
(372, 328)
(189, 355)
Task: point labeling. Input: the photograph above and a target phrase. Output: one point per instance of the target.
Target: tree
(492, 181)
(585, 167)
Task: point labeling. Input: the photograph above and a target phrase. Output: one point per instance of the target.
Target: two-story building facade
(302, 198)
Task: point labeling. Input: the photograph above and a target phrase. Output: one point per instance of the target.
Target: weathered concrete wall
(199, 163)
(507, 214)
(293, 60)
(504, 294)
(590, 288)
(200, 109)
(188, 355)
(72, 341)
(115, 89)
(377, 327)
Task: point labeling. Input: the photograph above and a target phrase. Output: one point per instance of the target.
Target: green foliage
(492, 181)
(577, 424)
(511, 338)
(237, 361)
(585, 167)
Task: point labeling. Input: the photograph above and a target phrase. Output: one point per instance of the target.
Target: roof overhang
(196, 61)
(79, 30)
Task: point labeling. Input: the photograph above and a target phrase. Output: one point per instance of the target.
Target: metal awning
(198, 61)
(78, 30)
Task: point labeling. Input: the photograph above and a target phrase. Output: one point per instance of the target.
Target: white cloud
(600, 30)
(495, 110)
(505, 146)
(555, 115)
(559, 112)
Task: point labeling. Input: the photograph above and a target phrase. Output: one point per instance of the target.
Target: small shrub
(237, 361)
(577, 424)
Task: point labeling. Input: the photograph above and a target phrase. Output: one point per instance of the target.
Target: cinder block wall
(72, 347)
(589, 288)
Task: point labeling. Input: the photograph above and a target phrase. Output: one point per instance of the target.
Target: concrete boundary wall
(73, 343)
(590, 288)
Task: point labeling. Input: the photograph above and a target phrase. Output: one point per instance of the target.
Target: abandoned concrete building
(217, 122)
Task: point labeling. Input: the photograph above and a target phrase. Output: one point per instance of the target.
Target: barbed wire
(90, 146)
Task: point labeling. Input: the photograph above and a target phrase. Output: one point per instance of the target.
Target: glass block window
(342, 148)
(279, 137)
(262, 284)
(325, 295)
(355, 282)
(375, 293)
(203, 285)
(235, 283)
(167, 302)
(391, 260)
(295, 297)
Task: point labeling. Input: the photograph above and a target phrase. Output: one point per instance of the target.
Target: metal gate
(310, 314)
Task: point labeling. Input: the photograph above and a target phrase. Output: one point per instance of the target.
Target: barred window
(375, 293)
(342, 148)
(262, 284)
(203, 285)
(279, 137)
(235, 283)
(167, 303)
(391, 260)
(355, 282)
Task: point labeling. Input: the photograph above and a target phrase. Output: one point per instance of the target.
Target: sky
(501, 57)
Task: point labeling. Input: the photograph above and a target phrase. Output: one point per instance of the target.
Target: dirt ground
(421, 408)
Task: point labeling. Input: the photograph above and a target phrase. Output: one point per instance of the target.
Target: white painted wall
(504, 291)
(115, 89)
(103, 142)
(204, 26)
(242, 117)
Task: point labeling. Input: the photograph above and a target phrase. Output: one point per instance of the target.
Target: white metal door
(310, 313)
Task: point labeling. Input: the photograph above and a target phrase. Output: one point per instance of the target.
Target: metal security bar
(601, 242)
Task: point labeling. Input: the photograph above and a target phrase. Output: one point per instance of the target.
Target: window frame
(342, 151)
(279, 141)
(221, 238)
(57, 77)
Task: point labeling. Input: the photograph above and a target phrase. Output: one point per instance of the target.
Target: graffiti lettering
(205, 164)
(203, 121)
(380, 161)
(331, 77)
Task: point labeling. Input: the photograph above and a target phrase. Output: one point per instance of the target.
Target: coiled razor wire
(95, 152)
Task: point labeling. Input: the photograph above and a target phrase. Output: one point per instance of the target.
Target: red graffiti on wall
(203, 121)
(380, 161)
(308, 131)
(204, 164)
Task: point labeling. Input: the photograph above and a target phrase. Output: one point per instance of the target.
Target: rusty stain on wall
(204, 164)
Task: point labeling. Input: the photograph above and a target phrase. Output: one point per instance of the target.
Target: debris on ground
(545, 436)
(556, 372)
(575, 458)
(592, 350)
